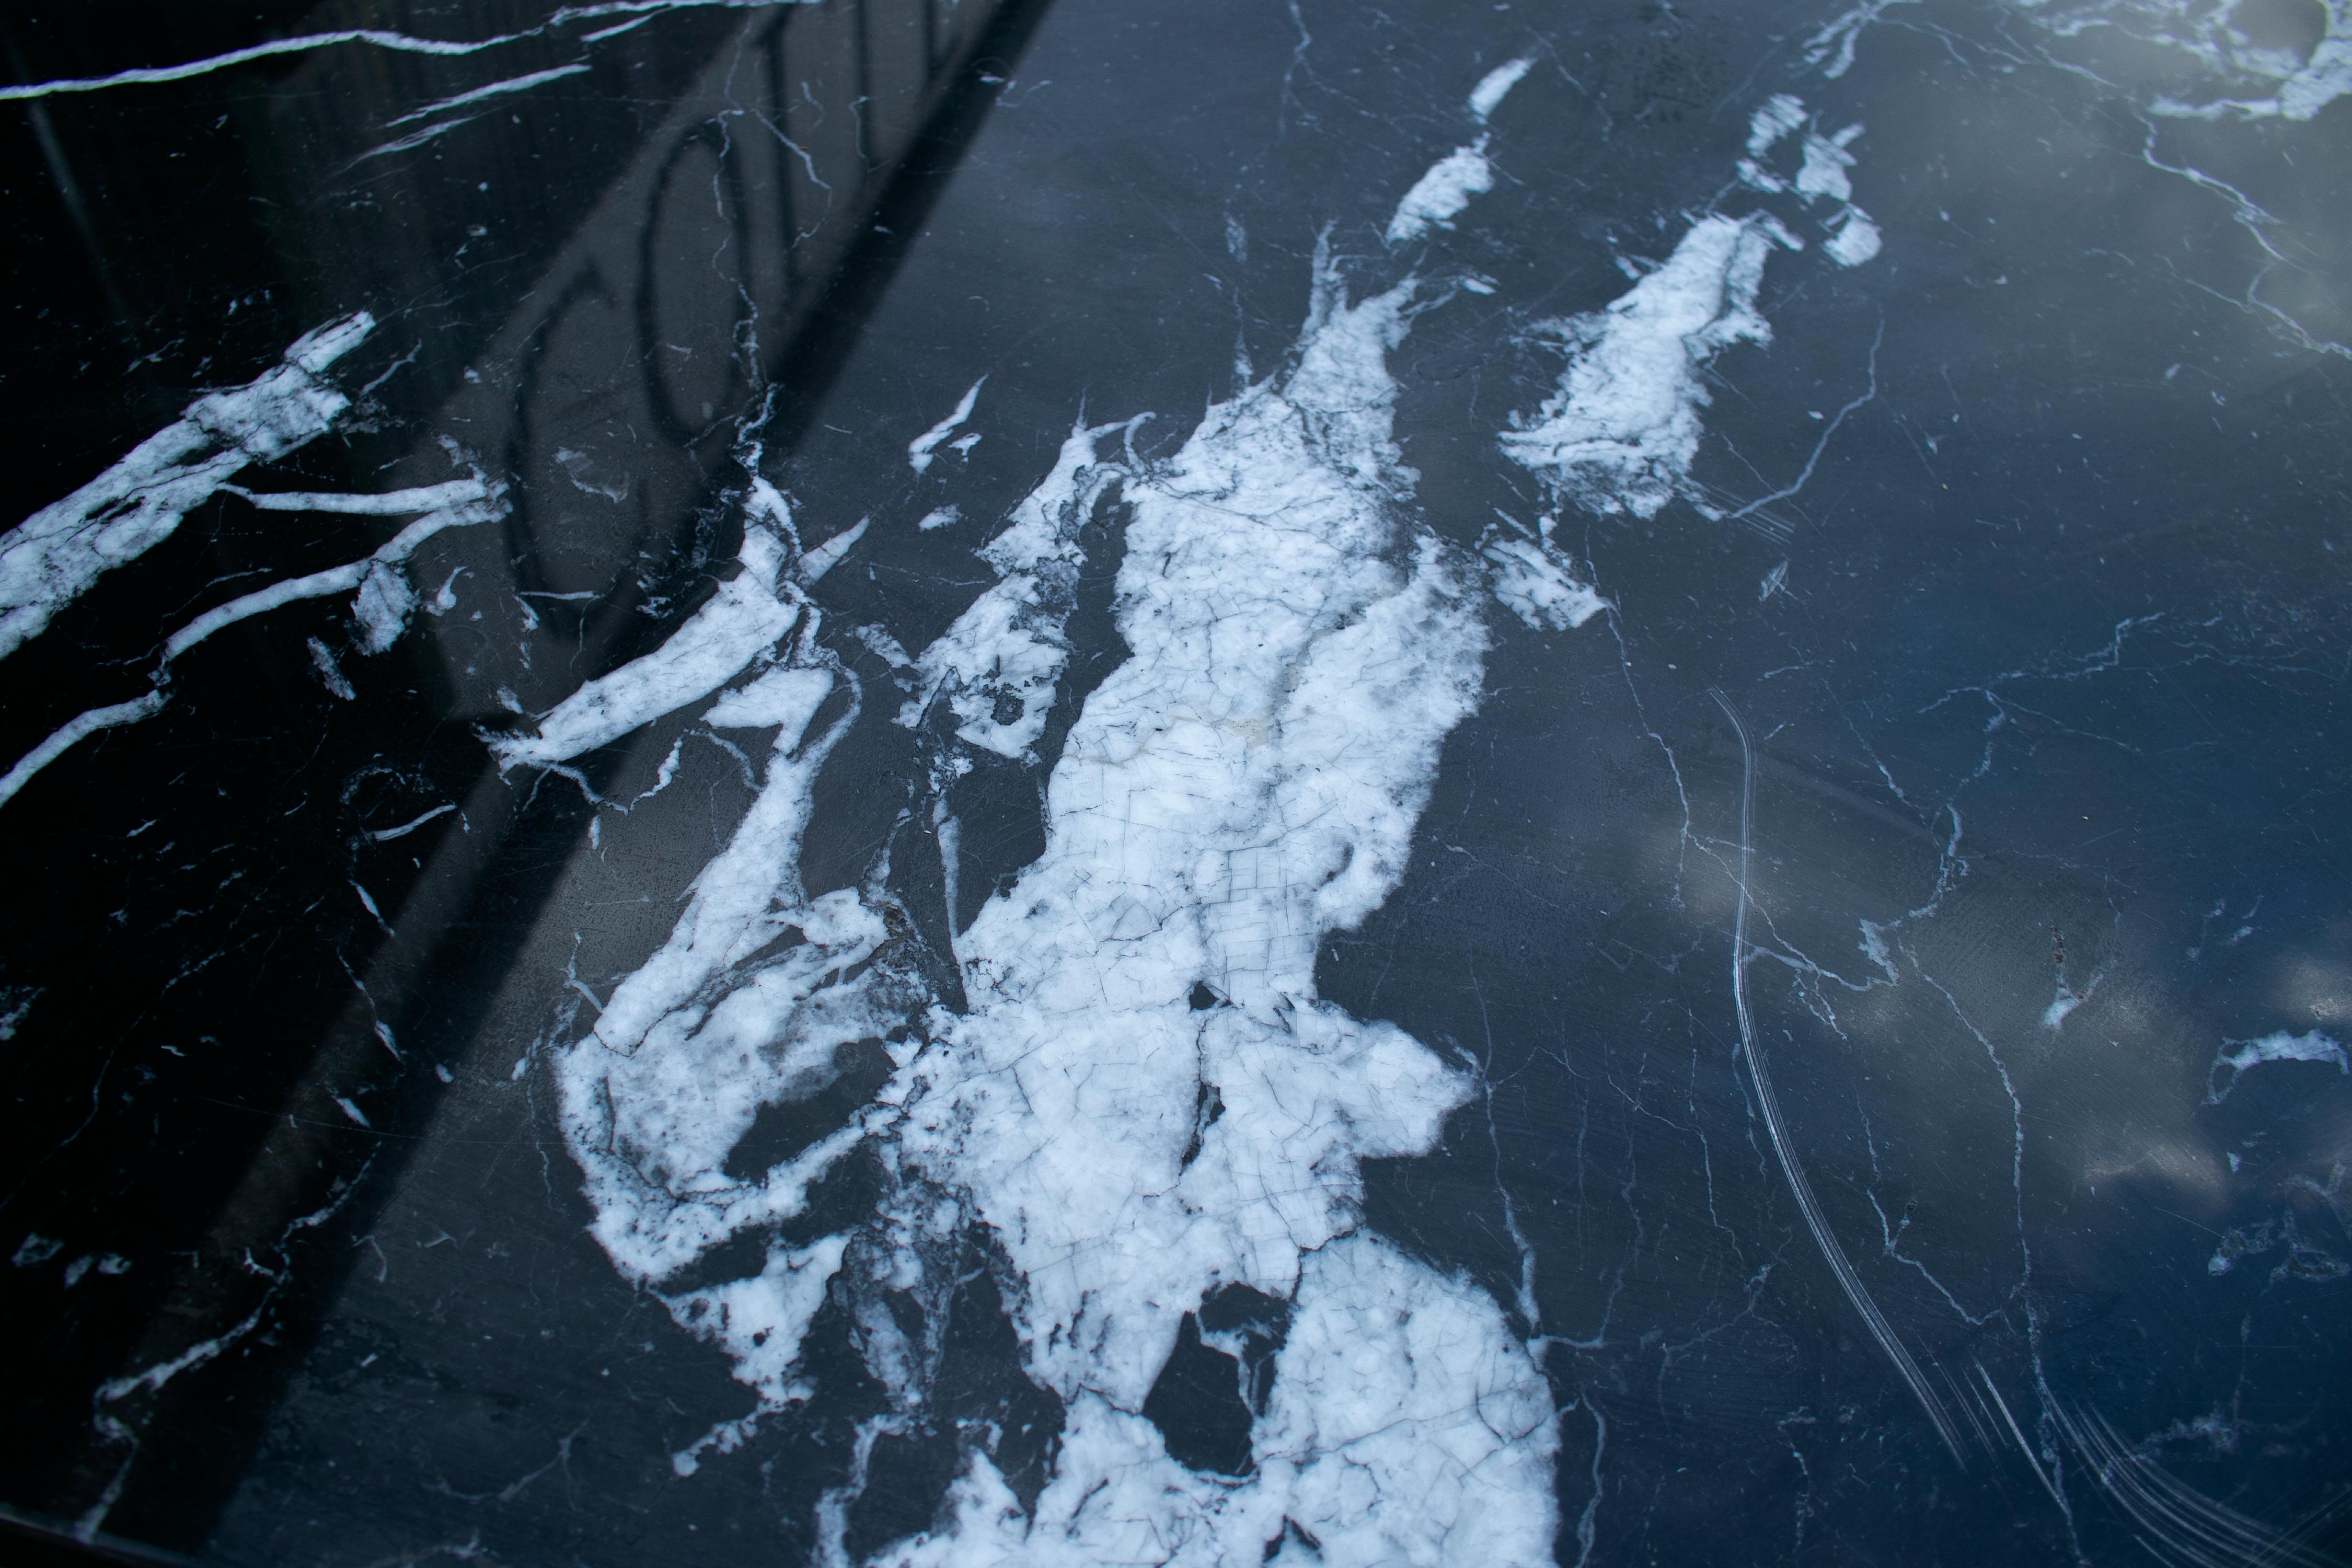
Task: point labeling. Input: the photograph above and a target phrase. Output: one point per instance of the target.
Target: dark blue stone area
(953, 782)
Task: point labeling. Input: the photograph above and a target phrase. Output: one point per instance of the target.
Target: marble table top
(931, 783)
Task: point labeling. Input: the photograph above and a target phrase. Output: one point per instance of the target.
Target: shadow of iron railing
(604, 370)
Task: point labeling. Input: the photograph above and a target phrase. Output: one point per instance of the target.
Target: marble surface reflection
(912, 781)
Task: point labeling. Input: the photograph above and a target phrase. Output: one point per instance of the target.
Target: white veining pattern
(1144, 1098)
(382, 606)
(739, 622)
(2238, 1058)
(53, 556)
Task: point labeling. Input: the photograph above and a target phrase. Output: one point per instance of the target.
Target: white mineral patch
(1536, 582)
(1620, 434)
(1497, 84)
(1855, 240)
(1440, 195)
(381, 608)
(1781, 113)
(1826, 162)
(2238, 1058)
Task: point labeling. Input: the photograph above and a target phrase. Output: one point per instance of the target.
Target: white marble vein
(493, 89)
(380, 612)
(922, 451)
(739, 623)
(53, 556)
(375, 38)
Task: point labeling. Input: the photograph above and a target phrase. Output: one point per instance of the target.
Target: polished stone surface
(1076, 783)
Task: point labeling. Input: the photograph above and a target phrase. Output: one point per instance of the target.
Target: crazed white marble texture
(1246, 781)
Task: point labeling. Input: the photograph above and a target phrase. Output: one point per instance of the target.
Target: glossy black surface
(2019, 546)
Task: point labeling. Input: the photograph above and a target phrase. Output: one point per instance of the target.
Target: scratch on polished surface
(1833, 1252)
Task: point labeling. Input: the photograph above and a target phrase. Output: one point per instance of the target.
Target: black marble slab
(911, 782)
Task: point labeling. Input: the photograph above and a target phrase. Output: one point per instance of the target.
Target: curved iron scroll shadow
(1839, 1264)
(161, 1474)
